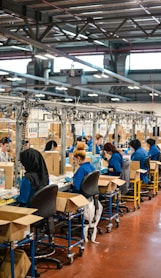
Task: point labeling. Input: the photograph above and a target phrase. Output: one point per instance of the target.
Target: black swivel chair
(89, 188)
(44, 201)
(146, 193)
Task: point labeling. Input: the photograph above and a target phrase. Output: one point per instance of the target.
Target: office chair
(146, 193)
(124, 189)
(44, 201)
(89, 188)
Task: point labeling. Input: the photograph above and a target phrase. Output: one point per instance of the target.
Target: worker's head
(99, 139)
(150, 142)
(135, 144)
(79, 154)
(51, 145)
(109, 149)
(5, 144)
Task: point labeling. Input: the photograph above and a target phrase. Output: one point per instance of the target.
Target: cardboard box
(109, 183)
(52, 160)
(70, 202)
(9, 172)
(68, 168)
(154, 165)
(21, 265)
(15, 222)
(135, 170)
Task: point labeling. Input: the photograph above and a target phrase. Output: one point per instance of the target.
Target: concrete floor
(131, 250)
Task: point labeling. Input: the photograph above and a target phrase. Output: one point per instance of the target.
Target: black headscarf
(35, 167)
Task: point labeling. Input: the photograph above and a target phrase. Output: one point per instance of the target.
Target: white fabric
(89, 214)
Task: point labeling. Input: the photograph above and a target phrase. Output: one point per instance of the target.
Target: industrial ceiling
(69, 28)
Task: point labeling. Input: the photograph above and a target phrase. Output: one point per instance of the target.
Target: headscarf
(35, 167)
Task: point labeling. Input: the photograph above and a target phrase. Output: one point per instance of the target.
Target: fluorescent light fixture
(85, 7)
(153, 94)
(61, 88)
(68, 99)
(40, 56)
(115, 99)
(101, 75)
(20, 48)
(136, 87)
(39, 95)
(104, 75)
(50, 56)
(131, 87)
(93, 95)
(97, 75)
(14, 78)
(2, 89)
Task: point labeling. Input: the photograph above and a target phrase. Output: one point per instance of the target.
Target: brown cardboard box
(21, 265)
(52, 160)
(154, 165)
(135, 170)
(68, 168)
(70, 202)
(15, 222)
(8, 171)
(109, 183)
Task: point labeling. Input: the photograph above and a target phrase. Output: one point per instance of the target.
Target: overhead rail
(57, 52)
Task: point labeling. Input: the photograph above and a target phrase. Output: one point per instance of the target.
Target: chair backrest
(147, 162)
(45, 200)
(159, 157)
(89, 186)
(125, 175)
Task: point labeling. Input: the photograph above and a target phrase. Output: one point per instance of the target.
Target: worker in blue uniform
(153, 149)
(99, 144)
(139, 154)
(114, 158)
(36, 175)
(84, 167)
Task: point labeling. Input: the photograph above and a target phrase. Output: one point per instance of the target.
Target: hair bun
(81, 146)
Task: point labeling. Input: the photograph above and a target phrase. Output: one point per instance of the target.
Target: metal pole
(94, 133)
(63, 141)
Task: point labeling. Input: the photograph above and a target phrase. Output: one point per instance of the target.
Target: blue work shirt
(153, 152)
(98, 148)
(84, 169)
(26, 192)
(141, 155)
(115, 162)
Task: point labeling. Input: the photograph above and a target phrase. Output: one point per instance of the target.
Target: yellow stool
(135, 197)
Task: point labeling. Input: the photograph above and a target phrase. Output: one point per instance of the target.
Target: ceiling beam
(55, 51)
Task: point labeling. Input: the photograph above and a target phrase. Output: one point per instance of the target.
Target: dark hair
(109, 147)
(5, 140)
(113, 137)
(135, 143)
(50, 144)
(150, 141)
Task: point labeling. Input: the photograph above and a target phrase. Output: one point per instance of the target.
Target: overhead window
(64, 63)
(18, 65)
(143, 61)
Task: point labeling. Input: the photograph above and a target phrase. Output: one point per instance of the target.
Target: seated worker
(4, 157)
(114, 158)
(153, 149)
(84, 168)
(78, 139)
(139, 154)
(89, 140)
(91, 211)
(36, 175)
(51, 146)
(99, 144)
